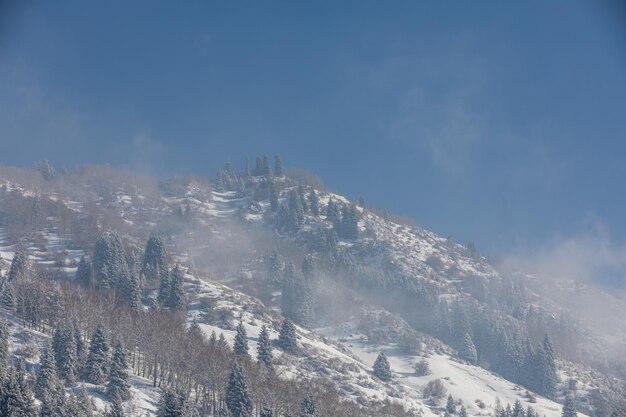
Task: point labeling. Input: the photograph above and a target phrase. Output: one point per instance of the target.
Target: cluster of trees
(228, 180)
(113, 267)
(345, 219)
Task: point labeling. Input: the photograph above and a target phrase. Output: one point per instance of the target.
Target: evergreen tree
(468, 350)
(65, 352)
(518, 410)
(240, 345)
(8, 296)
(547, 365)
(118, 386)
(307, 406)
(314, 203)
(258, 168)
(97, 366)
(177, 290)
(47, 380)
(308, 269)
(164, 289)
(382, 370)
(264, 348)
(287, 339)
(116, 409)
(238, 399)
(295, 212)
(278, 166)
(172, 404)
(222, 344)
(155, 260)
(4, 349)
(450, 407)
(85, 403)
(84, 272)
(349, 227)
(16, 399)
(569, 406)
(273, 196)
(274, 268)
(110, 267)
(19, 266)
(267, 172)
(297, 297)
(333, 214)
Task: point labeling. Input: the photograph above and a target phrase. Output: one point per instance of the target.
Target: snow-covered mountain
(381, 286)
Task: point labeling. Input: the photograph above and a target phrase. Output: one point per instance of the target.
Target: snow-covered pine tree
(84, 272)
(222, 344)
(547, 363)
(97, 365)
(307, 406)
(65, 351)
(273, 196)
(278, 166)
(47, 377)
(85, 403)
(238, 398)
(16, 399)
(382, 370)
(110, 266)
(19, 266)
(172, 404)
(468, 350)
(116, 409)
(518, 410)
(450, 406)
(267, 171)
(7, 299)
(176, 294)
(155, 260)
(569, 406)
(163, 296)
(4, 349)
(274, 268)
(287, 339)
(118, 385)
(240, 345)
(264, 348)
(314, 203)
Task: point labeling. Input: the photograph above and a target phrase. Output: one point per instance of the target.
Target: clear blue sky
(502, 122)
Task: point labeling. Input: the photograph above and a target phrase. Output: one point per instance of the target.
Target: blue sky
(493, 121)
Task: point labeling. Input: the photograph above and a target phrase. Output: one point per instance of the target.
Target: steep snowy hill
(224, 238)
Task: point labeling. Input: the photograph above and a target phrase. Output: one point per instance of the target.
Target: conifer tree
(163, 296)
(518, 410)
(18, 268)
(382, 370)
(240, 345)
(116, 409)
(84, 272)
(314, 203)
(264, 348)
(307, 406)
(569, 406)
(287, 339)
(4, 349)
(273, 196)
(222, 344)
(16, 399)
(65, 352)
(450, 407)
(278, 166)
(172, 404)
(267, 171)
(468, 350)
(547, 366)
(177, 291)
(85, 403)
(238, 399)
(47, 377)
(155, 260)
(110, 267)
(274, 268)
(118, 386)
(333, 214)
(258, 167)
(97, 366)
(8, 297)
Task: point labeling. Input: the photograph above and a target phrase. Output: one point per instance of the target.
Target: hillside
(375, 284)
